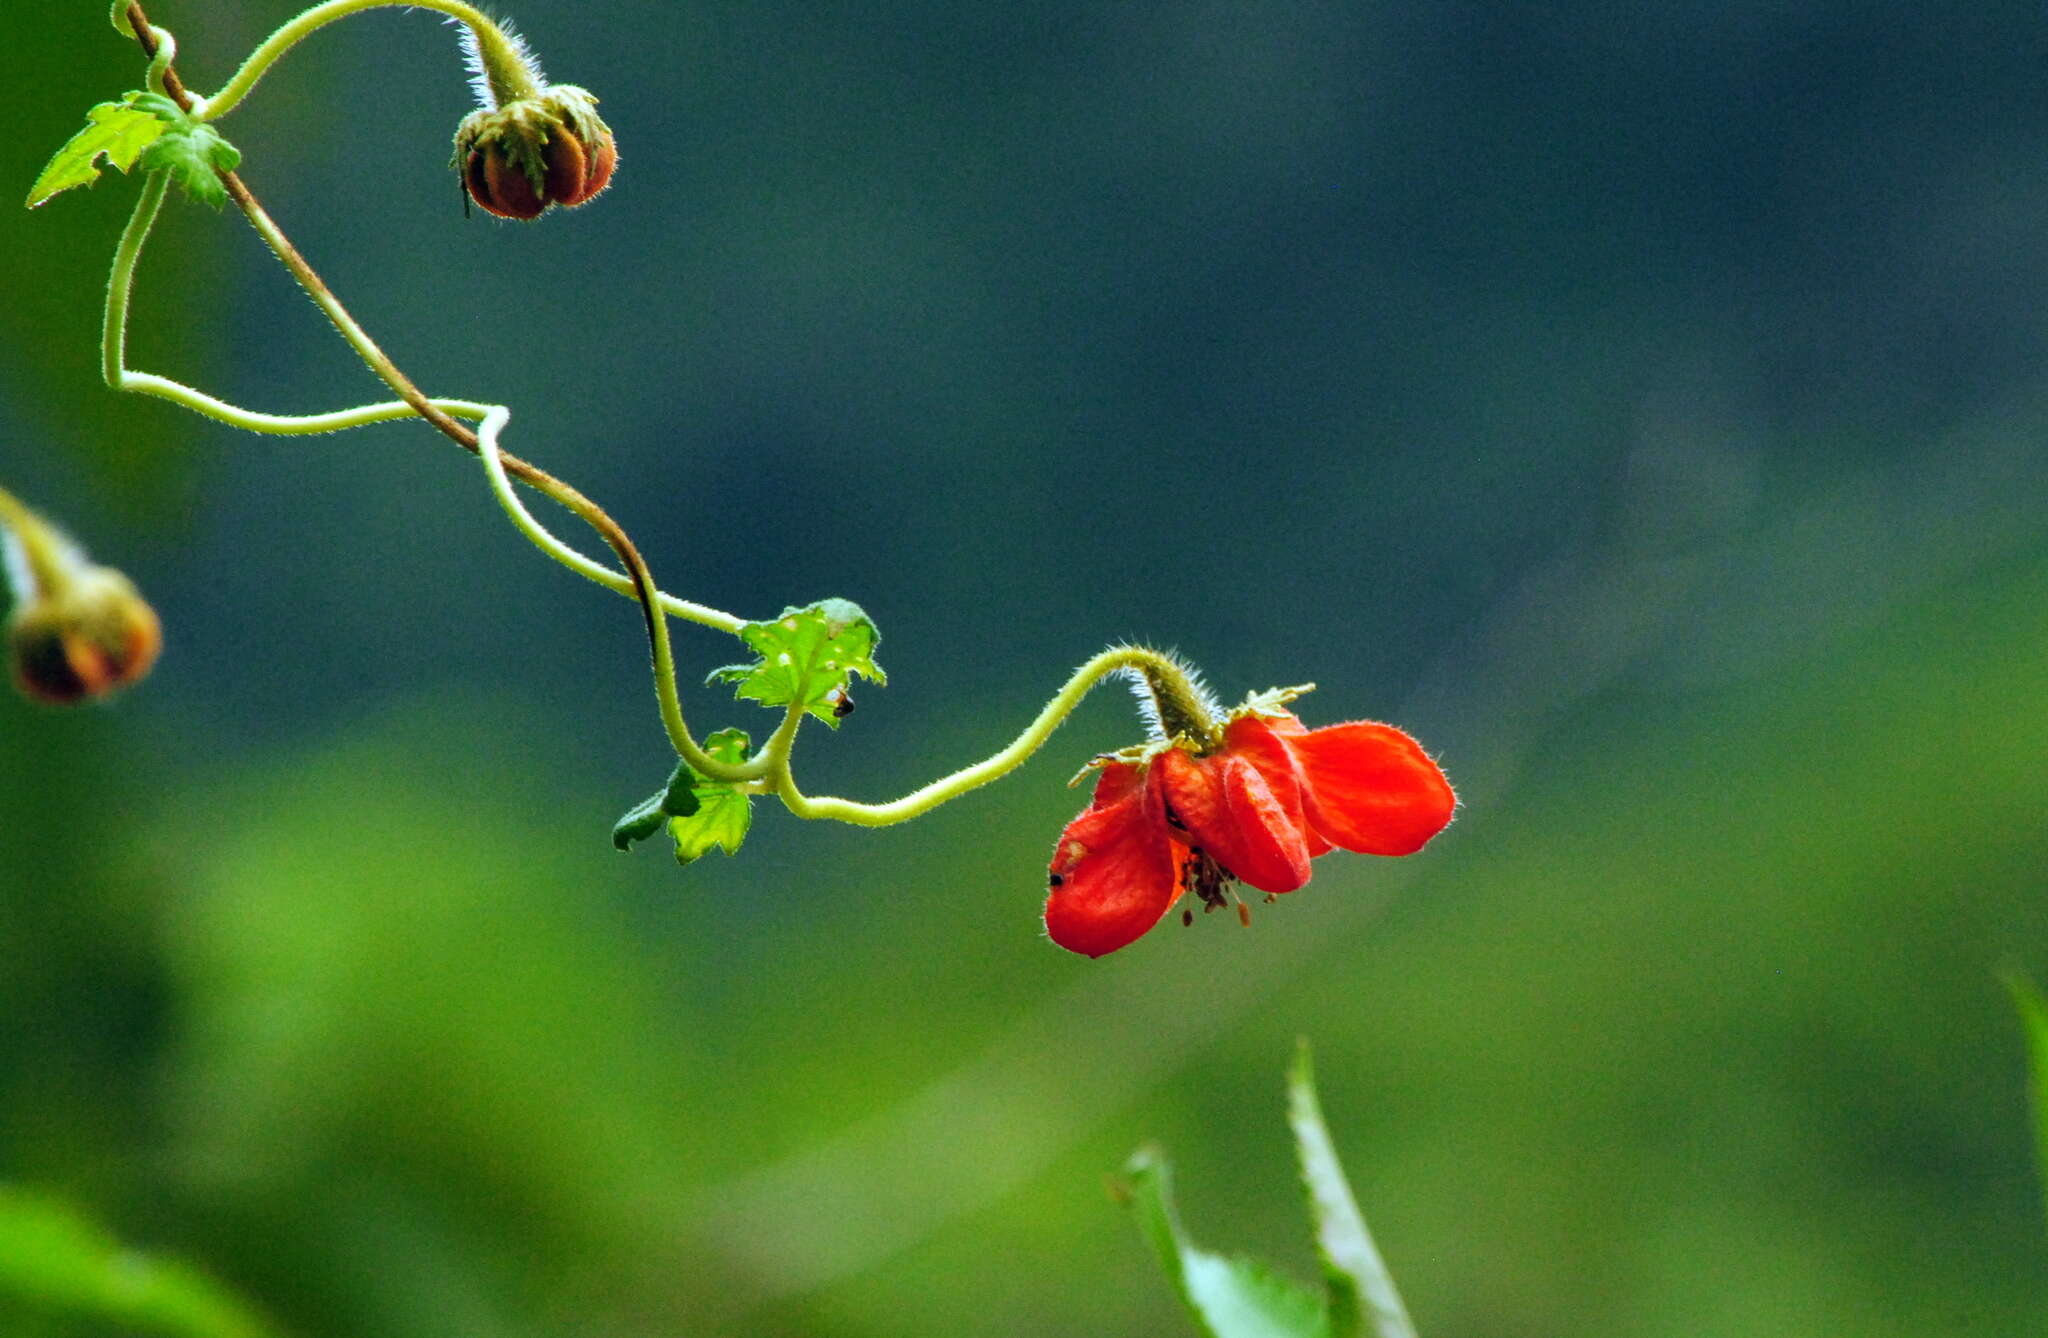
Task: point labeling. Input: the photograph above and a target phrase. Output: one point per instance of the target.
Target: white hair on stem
(473, 60)
(1148, 701)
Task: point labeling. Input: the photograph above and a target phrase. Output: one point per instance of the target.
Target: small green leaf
(1357, 1278)
(194, 154)
(2034, 1016)
(54, 1259)
(808, 655)
(117, 131)
(1229, 1298)
(722, 813)
(148, 128)
(675, 800)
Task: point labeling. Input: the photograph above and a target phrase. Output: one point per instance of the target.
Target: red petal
(1114, 780)
(1370, 787)
(507, 191)
(1255, 739)
(1231, 812)
(601, 164)
(1274, 855)
(1114, 873)
(568, 167)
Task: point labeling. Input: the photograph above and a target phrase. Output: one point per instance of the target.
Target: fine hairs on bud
(1148, 700)
(20, 582)
(479, 73)
(19, 569)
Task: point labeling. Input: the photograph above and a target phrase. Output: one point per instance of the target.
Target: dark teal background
(1645, 409)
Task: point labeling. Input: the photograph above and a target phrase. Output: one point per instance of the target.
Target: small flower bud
(83, 637)
(523, 155)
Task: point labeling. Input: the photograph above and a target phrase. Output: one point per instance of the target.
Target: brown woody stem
(402, 385)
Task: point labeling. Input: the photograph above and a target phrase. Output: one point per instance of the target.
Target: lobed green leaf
(116, 131)
(150, 129)
(808, 656)
(701, 814)
(675, 800)
(723, 813)
(195, 155)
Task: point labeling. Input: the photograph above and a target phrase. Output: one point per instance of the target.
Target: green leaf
(808, 655)
(723, 812)
(2034, 1016)
(674, 800)
(194, 154)
(148, 128)
(53, 1258)
(1359, 1285)
(116, 131)
(1229, 1298)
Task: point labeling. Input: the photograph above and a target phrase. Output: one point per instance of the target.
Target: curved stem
(1169, 682)
(154, 41)
(665, 692)
(773, 759)
(502, 52)
(121, 281)
(39, 547)
(1150, 663)
(160, 63)
(113, 347)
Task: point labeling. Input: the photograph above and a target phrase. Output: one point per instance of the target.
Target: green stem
(121, 281)
(41, 548)
(665, 692)
(1182, 706)
(154, 41)
(501, 56)
(589, 512)
(113, 348)
(160, 63)
(1149, 663)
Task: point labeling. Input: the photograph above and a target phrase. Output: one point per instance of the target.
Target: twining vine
(1211, 800)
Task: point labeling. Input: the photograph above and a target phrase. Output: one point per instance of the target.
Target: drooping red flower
(519, 157)
(1255, 808)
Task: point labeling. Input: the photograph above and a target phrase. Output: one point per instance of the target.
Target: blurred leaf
(51, 1256)
(720, 814)
(1230, 1298)
(1353, 1271)
(675, 800)
(807, 655)
(117, 131)
(2034, 1015)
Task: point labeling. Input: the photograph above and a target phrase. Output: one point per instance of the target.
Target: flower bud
(525, 154)
(83, 637)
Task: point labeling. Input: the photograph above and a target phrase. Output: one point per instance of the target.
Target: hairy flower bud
(84, 638)
(525, 154)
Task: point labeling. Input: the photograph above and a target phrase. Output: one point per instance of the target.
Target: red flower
(83, 641)
(519, 157)
(1254, 809)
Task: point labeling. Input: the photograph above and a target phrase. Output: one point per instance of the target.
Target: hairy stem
(1180, 703)
(644, 589)
(498, 50)
(929, 797)
(120, 286)
(664, 659)
(37, 544)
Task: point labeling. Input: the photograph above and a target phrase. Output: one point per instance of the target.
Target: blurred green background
(1644, 407)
